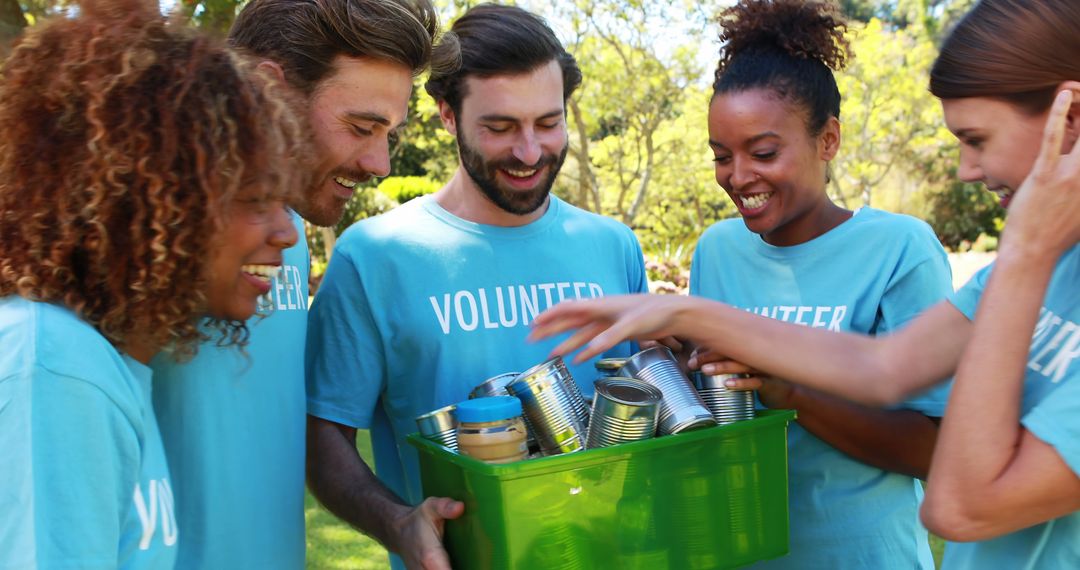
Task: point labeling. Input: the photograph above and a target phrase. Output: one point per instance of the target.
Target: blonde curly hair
(126, 138)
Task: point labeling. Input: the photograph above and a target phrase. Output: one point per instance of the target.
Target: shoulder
(53, 338)
(729, 230)
(896, 224)
(575, 220)
(388, 226)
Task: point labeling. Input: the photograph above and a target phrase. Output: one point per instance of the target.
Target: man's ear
(449, 120)
(273, 69)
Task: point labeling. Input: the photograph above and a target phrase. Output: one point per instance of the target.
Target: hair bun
(807, 29)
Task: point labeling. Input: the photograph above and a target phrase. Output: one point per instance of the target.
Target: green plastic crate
(711, 498)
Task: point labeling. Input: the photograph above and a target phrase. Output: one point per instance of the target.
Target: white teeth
(263, 272)
(755, 201)
(521, 173)
(345, 182)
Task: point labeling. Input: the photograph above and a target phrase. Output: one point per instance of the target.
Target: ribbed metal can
(624, 410)
(439, 426)
(727, 406)
(552, 407)
(681, 408)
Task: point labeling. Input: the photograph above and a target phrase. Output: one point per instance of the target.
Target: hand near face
(421, 532)
(605, 322)
(1045, 214)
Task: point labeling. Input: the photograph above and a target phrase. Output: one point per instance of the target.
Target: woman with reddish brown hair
(1004, 479)
(142, 187)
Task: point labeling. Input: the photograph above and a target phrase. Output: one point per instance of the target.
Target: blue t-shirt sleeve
(345, 361)
(69, 485)
(966, 299)
(922, 281)
(637, 277)
(1056, 421)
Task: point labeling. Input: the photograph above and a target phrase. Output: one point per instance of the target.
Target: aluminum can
(681, 408)
(624, 410)
(551, 408)
(439, 426)
(726, 406)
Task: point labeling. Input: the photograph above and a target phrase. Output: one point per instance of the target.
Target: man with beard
(234, 424)
(421, 304)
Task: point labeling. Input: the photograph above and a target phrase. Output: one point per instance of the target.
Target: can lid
(610, 363)
(491, 409)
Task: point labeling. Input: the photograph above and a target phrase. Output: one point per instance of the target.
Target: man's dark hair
(501, 40)
(304, 36)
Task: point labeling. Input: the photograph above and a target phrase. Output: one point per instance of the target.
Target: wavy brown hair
(126, 139)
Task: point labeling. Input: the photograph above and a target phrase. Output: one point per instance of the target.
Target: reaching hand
(420, 533)
(603, 323)
(1045, 213)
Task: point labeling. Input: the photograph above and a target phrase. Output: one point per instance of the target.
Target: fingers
(1053, 134)
(725, 366)
(671, 342)
(744, 383)
(577, 340)
(446, 508)
(703, 356)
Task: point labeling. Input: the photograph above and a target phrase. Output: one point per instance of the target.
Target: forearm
(899, 441)
(857, 367)
(980, 436)
(347, 487)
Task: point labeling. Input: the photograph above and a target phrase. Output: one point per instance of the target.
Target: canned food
(439, 426)
(681, 408)
(550, 408)
(624, 410)
(727, 406)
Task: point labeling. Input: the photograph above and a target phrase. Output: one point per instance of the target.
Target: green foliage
(401, 189)
(962, 213)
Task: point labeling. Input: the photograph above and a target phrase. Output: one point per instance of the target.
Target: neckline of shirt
(531, 229)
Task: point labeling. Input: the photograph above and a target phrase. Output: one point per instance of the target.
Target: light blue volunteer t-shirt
(871, 274)
(83, 478)
(233, 427)
(1053, 369)
(419, 306)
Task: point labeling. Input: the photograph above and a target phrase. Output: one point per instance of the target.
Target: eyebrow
(751, 140)
(373, 117)
(965, 132)
(508, 119)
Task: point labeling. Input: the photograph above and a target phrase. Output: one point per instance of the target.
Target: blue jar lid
(491, 409)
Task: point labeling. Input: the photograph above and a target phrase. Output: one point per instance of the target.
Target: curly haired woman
(143, 177)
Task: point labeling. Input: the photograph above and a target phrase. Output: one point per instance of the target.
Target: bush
(401, 189)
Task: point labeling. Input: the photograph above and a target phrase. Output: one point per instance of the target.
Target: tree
(12, 23)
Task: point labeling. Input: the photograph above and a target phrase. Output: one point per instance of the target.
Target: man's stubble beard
(517, 202)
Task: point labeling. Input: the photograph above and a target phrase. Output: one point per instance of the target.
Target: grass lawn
(332, 544)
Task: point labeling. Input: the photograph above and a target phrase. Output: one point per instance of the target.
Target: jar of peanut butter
(491, 429)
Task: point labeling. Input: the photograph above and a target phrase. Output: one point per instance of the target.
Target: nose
(527, 147)
(375, 158)
(283, 234)
(969, 170)
(742, 173)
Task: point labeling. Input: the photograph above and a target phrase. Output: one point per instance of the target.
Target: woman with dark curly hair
(143, 175)
(796, 256)
(1004, 481)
